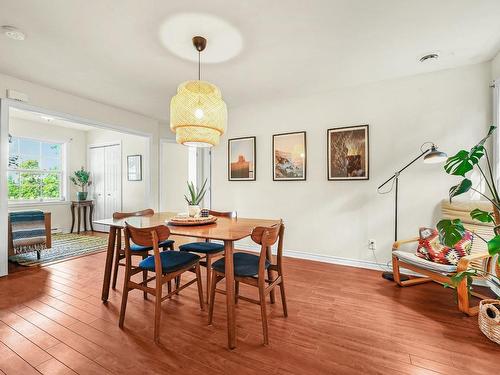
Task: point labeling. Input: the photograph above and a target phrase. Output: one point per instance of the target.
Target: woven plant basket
(489, 319)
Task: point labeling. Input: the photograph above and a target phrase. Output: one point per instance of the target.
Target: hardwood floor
(52, 321)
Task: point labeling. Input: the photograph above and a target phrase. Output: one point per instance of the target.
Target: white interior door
(105, 164)
(112, 180)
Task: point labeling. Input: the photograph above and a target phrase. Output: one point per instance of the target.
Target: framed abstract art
(348, 153)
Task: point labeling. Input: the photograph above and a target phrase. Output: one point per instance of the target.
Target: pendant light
(198, 115)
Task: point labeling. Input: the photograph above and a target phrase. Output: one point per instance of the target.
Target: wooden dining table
(224, 229)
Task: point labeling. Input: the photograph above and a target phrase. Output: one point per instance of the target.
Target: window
(35, 171)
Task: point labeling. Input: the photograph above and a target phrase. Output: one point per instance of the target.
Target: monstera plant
(451, 231)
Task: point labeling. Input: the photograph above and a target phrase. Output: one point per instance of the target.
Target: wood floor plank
(54, 367)
(11, 363)
(76, 361)
(23, 347)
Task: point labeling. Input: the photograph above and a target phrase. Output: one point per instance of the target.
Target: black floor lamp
(431, 155)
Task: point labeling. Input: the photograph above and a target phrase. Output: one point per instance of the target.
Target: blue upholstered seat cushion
(163, 244)
(244, 264)
(171, 261)
(202, 247)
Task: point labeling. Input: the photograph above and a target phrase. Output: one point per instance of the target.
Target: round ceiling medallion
(224, 40)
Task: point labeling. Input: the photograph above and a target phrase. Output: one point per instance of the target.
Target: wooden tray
(188, 221)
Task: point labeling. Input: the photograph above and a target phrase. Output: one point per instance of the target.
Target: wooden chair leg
(263, 312)
(145, 277)
(115, 268)
(124, 296)
(200, 287)
(169, 286)
(157, 312)
(177, 284)
(209, 274)
(395, 270)
(463, 297)
(283, 297)
(236, 291)
(211, 302)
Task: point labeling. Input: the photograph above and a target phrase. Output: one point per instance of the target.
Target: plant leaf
(490, 132)
(482, 216)
(494, 246)
(463, 162)
(450, 231)
(463, 187)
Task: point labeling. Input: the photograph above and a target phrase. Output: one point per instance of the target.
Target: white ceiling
(110, 50)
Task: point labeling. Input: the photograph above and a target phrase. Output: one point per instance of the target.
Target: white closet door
(97, 190)
(112, 180)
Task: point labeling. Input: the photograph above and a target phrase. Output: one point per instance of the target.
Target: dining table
(224, 229)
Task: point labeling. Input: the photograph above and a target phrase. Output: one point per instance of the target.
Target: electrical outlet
(372, 244)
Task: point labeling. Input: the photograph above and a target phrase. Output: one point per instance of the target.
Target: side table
(79, 205)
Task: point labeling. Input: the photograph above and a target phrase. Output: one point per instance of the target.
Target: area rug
(64, 245)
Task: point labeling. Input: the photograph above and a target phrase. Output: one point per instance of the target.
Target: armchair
(441, 273)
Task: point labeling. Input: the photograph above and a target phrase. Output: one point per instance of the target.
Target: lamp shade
(435, 156)
(198, 115)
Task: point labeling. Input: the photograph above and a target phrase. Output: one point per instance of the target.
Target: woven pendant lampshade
(198, 115)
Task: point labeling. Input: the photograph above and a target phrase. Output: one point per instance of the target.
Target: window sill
(37, 204)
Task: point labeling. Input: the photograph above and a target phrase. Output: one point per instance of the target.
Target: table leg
(109, 264)
(72, 217)
(91, 217)
(85, 218)
(229, 271)
(78, 215)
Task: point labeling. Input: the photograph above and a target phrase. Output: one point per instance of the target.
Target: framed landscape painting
(348, 153)
(289, 156)
(241, 159)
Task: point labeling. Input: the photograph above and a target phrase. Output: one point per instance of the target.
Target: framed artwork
(348, 153)
(241, 159)
(134, 167)
(289, 156)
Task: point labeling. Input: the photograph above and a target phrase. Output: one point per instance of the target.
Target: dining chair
(208, 249)
(142, 251)
(166, 266)
(251, 269)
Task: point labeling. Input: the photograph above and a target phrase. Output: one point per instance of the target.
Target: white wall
(335, 219)
(135, 194)
(76, 155)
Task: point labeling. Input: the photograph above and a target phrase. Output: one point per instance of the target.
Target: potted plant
(81, 178)
(451, 231)
(195, 197)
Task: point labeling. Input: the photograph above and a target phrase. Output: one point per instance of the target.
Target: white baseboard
(321, 258)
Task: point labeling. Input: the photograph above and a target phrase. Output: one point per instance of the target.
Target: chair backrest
(266, 237)
(144, 236)
(124, 215)
(461, 210)
(228, 214)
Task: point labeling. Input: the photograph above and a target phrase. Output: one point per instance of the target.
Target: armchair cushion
(431, 249)
(415, 260)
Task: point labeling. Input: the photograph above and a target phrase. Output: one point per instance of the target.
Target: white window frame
(63, 187)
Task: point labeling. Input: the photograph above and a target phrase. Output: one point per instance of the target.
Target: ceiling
(110, 50)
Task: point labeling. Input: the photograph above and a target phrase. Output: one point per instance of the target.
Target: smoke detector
(429, 57)
(13, 33)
